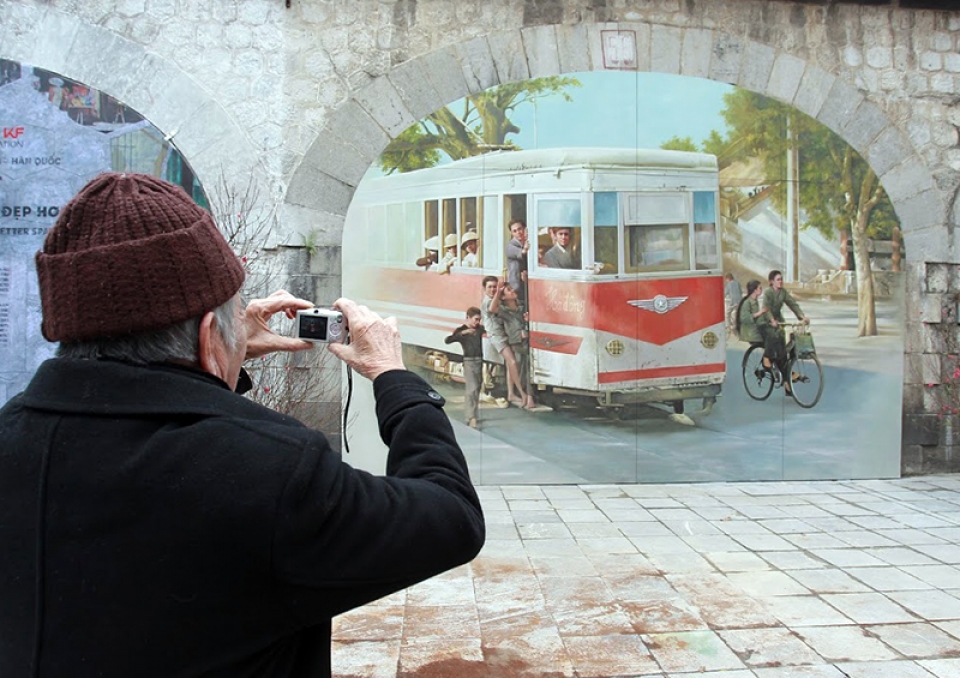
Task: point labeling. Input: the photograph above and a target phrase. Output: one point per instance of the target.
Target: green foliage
(482, 125)
(679, 144)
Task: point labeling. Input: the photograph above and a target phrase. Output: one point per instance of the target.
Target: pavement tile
(633, 563)
(875, 522)
(847, 557)
(524, 505)
(888, 579)
(815, 540)
(767, 583)
(607, 545)
(695, 527)
(769, 647)
(863, 539)
(942, 668)
(506, 532)
(439, 656)
(791, 560)
(663, 614)
(945, 553)
(593, 530)
(370, 659)
(442, 590)
(644, 529)
(931, 605)
(918, 641)
(497, 517)
(844, 643)
(583, 516)
(629, 515)
(721, 604)
(523, 517)
(786, 526)
(951, 627)
(829, 580)
(543, 530)
(551, 547)
(763, 542)
(894, 669)
(680, 563)
(424, 621)
(370, 622)
(567, 566)
(869, 608)
(503, 548)
(714, 542)
(616, 655)
(900, 555)
(910, 537)
(818, 671)
(737, 561)
(665, 544)
(803, 611)
(699, 651)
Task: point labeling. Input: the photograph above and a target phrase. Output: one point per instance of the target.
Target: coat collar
(115, 388)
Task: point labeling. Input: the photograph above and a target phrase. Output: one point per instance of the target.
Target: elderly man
(153, 522)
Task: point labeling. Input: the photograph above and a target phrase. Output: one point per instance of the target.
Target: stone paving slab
(844, 579)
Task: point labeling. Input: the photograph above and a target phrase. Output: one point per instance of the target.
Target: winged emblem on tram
(659, 304)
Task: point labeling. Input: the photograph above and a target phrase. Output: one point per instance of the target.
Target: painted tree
(482, 124)
(839, 192)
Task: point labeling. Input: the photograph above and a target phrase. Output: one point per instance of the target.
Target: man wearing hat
(155, 523)
(469, 246)
(449, 259)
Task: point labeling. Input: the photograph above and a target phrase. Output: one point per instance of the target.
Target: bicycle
(806, 373)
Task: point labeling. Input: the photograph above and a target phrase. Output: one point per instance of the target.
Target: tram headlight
(709, 339)
(615, 347)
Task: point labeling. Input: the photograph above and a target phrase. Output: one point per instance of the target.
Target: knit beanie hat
(131, 253)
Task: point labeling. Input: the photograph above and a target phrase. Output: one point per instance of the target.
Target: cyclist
(774, 298)
(748, 313)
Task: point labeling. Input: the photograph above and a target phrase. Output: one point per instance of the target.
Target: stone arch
(322, 186)
(155, 87)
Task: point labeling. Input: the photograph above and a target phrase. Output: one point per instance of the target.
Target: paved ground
(737, 580)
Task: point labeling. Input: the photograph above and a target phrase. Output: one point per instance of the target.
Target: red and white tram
(640, 319)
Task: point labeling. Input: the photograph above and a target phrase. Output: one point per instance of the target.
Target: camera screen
(313, 327)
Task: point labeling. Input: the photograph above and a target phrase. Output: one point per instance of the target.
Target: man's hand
(806, 320)
(260, 338)
(374, 346)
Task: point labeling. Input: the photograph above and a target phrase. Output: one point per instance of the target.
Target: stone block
(907, 179)
(930, 366)
(815, 86)
(913, 398)
(929, 244)
(839, 106)
(476, 61)
(921, 429)
(300, 225)
(445, 72)
(922, 211)
(326, 260)
(20, 27)
(317, 190)
(383, 103)
(415, 89)
(756, 67)
(55, 31)
(865, 125)
(207, 127)
(540, 46)
(911, 460)
(889, 148)
(574, 48)
(785, 78)
(351, 123)
(665, 44)
(938, 277)
(506, 48)
(913, 369)
(725, 60)
(229, 156)
(695, 52)
(331, 154)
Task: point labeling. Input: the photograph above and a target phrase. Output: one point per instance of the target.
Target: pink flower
(930, 385)
(266, 389)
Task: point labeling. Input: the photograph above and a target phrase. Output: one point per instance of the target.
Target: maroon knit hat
(131, 253)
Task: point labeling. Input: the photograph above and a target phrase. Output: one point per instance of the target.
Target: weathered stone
(540, 46)
(695, 53)
(785, 78)
(443, 69)
(479, 70)
(506, 48)
(415, 89)
(574, 48)
(665, 50)
(865, 125)
(839, 106)
(725, 61)
(383, 103)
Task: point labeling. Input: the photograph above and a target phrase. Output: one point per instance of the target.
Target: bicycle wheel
(757, 380)
(807, 376)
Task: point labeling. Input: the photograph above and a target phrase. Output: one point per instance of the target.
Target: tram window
(514, 207)
(470, 221)
(449, 226)
(393, 232)
(705, 230)
(661, 247)
(705, 246)
(412, 233)
(431, 219)
(606, 243)
(376, 231)
(559, 237)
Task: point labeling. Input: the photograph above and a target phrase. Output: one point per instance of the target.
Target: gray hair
(179, 342)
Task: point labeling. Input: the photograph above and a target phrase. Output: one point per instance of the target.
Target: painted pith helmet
(432, 243)
(467, 237)
(450, 240)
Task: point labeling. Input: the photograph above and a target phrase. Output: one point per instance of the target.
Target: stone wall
(305, 98)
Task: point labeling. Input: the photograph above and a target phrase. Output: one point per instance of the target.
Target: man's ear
(211, 352)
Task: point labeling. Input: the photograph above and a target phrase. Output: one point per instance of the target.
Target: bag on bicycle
(804, 343)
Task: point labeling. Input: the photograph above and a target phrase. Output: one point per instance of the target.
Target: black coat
(153, 523)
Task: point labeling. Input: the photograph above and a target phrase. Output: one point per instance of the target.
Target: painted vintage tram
(639, 319)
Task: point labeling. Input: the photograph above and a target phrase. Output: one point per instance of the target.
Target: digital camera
(321, 325)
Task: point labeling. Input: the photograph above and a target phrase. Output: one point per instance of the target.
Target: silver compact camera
(321, 325)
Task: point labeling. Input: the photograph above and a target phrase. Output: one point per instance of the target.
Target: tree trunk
(866, 305)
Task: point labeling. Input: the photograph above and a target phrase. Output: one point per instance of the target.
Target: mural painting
(57, 134)
(568, 258)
